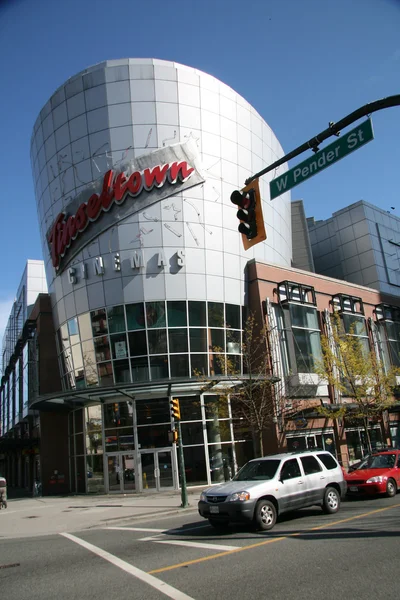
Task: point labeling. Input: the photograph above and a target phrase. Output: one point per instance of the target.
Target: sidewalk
(29, 517)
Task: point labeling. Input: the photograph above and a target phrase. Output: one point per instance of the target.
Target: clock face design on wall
(390, 244)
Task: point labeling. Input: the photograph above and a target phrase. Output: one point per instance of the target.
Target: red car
(377, 474)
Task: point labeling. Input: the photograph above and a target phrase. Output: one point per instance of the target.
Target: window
(215, 314)
(306, 337)
(116, 319)
(177, 314)
(310, 465)
(290, 469)
(155, 314)
(197, 314)
(328, 461)
(135, 316)
(355, 326)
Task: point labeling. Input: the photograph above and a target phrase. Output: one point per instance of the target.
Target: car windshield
(379, 461)
(255, 470)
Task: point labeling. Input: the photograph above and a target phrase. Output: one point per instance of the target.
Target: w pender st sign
(354, 139)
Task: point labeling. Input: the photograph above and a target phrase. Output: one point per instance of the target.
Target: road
(353, 554)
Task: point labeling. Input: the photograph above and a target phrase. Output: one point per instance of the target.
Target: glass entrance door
(121, 472)
(157, 469)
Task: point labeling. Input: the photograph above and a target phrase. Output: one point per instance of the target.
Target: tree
(254, 394)
(355, 373)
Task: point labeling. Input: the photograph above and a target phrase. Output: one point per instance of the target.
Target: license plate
(353, 488)
(214, 509)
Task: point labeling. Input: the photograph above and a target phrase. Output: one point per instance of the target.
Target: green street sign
(353, 140)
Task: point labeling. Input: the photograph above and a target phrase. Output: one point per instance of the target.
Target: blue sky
(300, 63)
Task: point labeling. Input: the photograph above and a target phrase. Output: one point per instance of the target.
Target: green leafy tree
(357, 375)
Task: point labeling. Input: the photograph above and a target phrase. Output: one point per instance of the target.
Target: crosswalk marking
(196, 544)
(136, 529)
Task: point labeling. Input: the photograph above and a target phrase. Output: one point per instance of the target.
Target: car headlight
(241, 496)
(376, 479)
(203, 497)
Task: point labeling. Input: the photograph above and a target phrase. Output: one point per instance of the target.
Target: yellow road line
(271, 541)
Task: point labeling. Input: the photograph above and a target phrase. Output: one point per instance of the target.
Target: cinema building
(134, 162)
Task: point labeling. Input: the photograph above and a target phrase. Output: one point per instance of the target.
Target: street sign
(322, 159)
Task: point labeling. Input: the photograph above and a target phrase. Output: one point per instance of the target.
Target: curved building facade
(134, 162)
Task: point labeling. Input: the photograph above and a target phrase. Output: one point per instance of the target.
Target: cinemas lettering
(116, 188)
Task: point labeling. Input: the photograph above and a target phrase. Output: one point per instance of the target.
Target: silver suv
(267, 487)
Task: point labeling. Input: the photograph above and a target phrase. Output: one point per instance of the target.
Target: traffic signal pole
(333, 129)
(182, 474)
(176, 415)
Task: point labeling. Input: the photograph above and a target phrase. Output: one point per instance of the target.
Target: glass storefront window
(221, 462)
(79, 445)
(102, 348)
(153, 411)
(116, 319)
(157, 341)
(119, 440)
(140, 369)
(80, 474)
(99, 322)
(218, 431)
(232, 316)
(177, 313)
(215, 314)
(118, 414)
(199, 365)
(105, 374)
(244, 452)
(93, 420)
(192, 433)
(190, 408)
(119, 345)
(135, 316)
(178, 340)
(155, 314)
(78, 421)
(85, 327)
(195, 465)
(395, 435)
(122, 372)
(95, 474)
(155, 436)
(197, 313)
(179, 365)
(137, 343)
(216, 406)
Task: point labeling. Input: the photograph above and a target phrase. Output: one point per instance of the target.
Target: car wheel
(265, 515)
(391, 488)
(331, 501)
(218, 524)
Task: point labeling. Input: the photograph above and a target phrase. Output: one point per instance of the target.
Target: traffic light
(175, 409)
(251, 226)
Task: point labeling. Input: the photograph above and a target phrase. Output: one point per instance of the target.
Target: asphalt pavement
(27, 517)
(172, 552)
